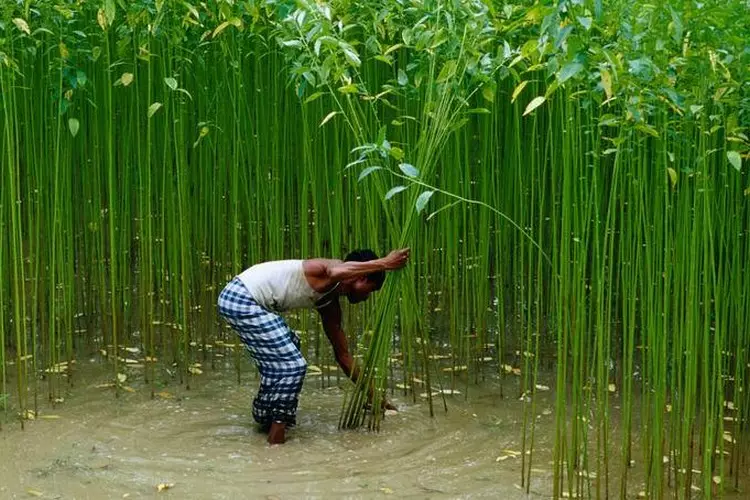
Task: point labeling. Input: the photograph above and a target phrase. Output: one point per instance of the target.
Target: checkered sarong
(274, 348)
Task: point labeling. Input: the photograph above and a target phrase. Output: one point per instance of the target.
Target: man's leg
(282, 370)
(275, 350)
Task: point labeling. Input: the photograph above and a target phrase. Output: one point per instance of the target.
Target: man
(250, 303)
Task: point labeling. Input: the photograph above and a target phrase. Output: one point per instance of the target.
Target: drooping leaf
(328, 117)
(183, 91)
(171, 83)
(397, 153)
(409, 170)
(236, 22)
(569, 71)
(313, 97)
(352, 57)
(403, 79)
(392, 48)
(672, 176)
(735, 159)
(607, 83)
(367, 172)
(585, 22)
(394, 191)
(22, 25)
(519, 88)
(348, 89)
(676, 25)
(287, 43)
(647, 129)
(153, 109)
(355, 162)
(488, 91)
(101, 19)
(422, 200)
(109, 11)
(126, 79)
(449, 69)
(73, 126)
(478, 111)
(535, 103)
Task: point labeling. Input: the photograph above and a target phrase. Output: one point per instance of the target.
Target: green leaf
(479, 111)
(518, 90)
(607, 83)
(314, 96)
(735, 159)
(22, 25)
(348, 89)
(171, 83)
(186, 93)
(352, 57)
(409, 170)
(488, 92)
(647, 129)
(367, 172)
(285, 43)
(355, 162)
(73, 126)
(392, 48)
(672, 176)
(328, 117)
(535, 103)
(394, 191)
(126, 79)
(153, 109)
(236, 22)
(569, 71)
(109, 11)
(403, 79)
(397, 153)
(422, 200)
(449, 69)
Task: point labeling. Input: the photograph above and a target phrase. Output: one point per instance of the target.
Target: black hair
(365, 255)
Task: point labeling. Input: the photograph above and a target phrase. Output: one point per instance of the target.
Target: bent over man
(251, 304)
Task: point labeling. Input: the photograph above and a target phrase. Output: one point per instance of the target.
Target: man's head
(361, 288)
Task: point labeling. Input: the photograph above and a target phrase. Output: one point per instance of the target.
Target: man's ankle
(277, 433)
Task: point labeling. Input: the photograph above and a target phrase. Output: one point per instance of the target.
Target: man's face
(361, 290)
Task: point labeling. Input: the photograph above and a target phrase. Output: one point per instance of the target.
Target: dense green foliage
(572, 179)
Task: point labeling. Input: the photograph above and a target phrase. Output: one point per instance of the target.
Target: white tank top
(279, 285)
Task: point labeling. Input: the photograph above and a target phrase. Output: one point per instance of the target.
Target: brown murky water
(204, 442)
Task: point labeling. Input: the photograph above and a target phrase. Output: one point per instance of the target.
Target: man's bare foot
(277, 433)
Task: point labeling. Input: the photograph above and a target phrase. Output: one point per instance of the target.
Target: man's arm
(324, 273)
(331, 317)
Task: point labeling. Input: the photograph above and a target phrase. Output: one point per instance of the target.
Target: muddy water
(204, 443)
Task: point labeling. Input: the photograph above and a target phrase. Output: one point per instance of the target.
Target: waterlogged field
(202, 443)
(572, 179)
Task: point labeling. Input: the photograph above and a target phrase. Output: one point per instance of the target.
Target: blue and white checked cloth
(275, 349)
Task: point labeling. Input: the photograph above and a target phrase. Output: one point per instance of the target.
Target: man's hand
(396, 259)
(384, 403)
(387, 405)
